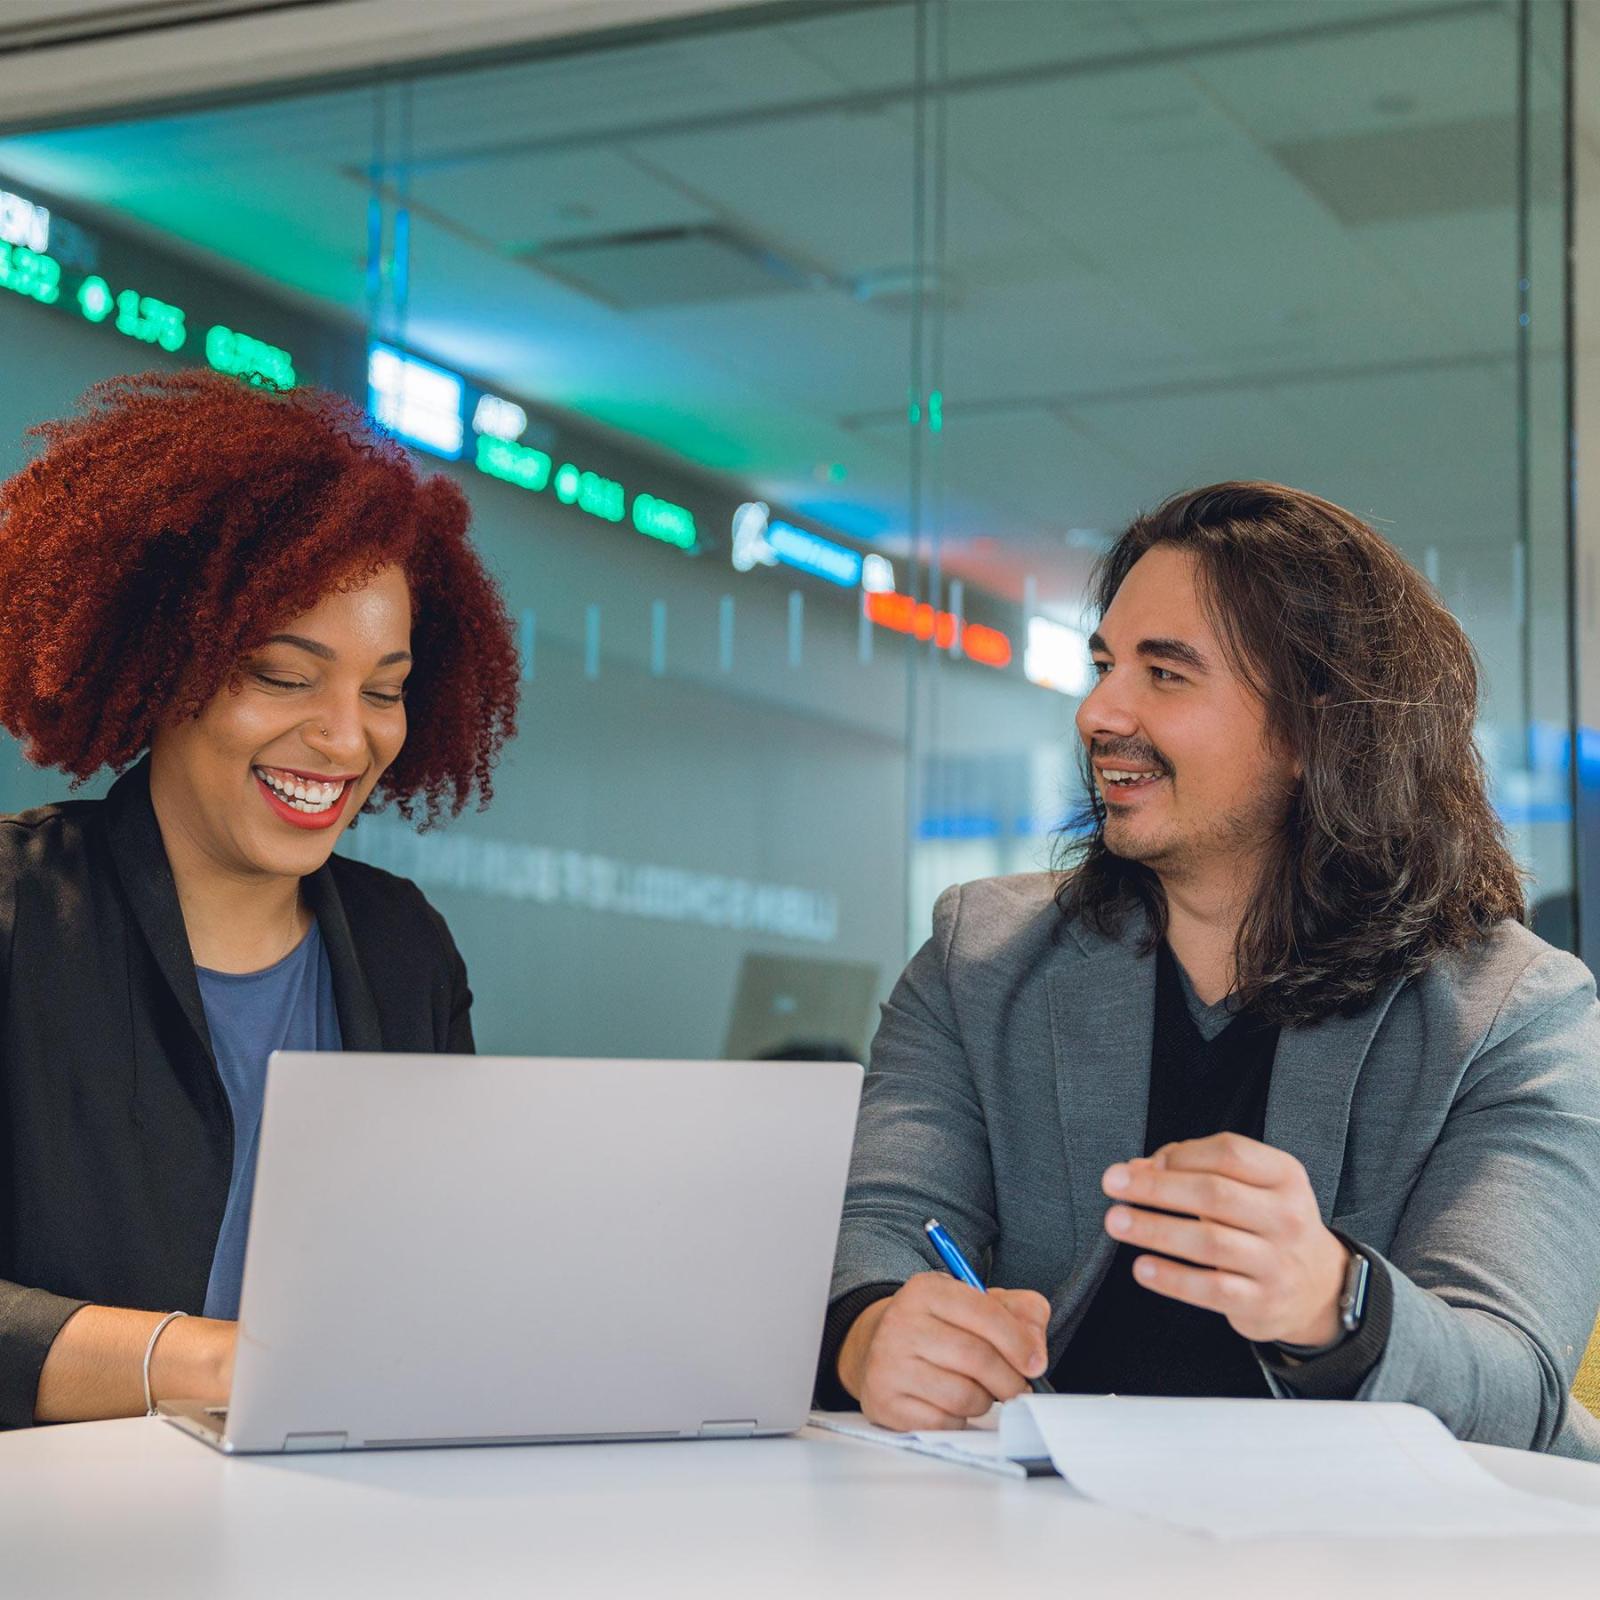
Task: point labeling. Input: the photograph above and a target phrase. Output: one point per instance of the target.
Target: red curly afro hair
(180, 519)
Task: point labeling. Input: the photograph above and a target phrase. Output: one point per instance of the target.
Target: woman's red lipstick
(305, 819)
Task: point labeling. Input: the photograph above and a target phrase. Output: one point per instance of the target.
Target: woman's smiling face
(285, 754)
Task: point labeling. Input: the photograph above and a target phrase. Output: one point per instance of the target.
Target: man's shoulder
(1014, 918)
(1013, 898)
(1505, 980)
(1508, 954)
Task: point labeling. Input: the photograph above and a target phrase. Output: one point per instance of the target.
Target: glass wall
(1320, 244)
(798, 369)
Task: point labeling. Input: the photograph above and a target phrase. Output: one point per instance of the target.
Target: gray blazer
(1452, 1128)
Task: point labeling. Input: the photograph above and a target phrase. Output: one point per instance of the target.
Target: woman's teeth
(300, 794)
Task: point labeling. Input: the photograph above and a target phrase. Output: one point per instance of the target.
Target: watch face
(1353, 1301)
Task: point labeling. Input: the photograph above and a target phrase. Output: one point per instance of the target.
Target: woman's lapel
(140, 859)
(359, 1026)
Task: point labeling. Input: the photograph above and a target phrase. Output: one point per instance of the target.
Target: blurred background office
(800, 358)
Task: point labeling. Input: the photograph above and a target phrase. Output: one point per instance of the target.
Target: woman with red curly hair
(252, 608)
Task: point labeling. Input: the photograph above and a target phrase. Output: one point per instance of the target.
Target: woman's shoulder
(45, 857)
(396, 929)
(373, 898)
(46, 840)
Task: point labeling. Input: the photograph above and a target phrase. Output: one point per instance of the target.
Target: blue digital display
(416, 401)
(810, 552)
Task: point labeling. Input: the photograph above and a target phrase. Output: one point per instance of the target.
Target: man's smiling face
(1176, 737)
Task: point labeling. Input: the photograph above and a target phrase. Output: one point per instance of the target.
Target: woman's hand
(197, 1364)
(95, 1368)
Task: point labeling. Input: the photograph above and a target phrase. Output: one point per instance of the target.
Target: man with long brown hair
(1268, 1091)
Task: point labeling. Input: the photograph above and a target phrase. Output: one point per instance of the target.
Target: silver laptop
(800, 1004)
(451, 1250)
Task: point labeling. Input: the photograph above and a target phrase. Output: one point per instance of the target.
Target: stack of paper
(1243, 1469)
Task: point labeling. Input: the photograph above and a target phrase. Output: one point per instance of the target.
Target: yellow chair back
(1586, 1385)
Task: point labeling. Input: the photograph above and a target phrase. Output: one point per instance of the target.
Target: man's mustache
(1133, 751)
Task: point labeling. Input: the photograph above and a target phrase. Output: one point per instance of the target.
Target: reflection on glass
(1066, 260)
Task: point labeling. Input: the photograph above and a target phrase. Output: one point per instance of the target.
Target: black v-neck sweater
(1131, 1340)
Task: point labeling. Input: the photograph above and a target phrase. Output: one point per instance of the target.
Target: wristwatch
(1353, 1297)
(1352, 1309)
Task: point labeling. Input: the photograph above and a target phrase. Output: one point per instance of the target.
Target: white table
(134, 1509)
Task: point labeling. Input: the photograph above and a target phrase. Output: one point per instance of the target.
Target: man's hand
(937, 1352)
(1249, 1223)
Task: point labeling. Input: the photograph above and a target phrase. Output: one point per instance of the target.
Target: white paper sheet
(1243, 1469)
(977, 1445)
(1249, 1469)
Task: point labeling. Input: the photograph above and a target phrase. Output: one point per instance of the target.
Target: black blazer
(116, 1137)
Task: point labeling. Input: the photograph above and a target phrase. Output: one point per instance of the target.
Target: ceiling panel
(836, 189)
(1049, 337)
(1455, 488)
(801, 346)
(1031, 473)
(1429, 70)
(1183, 441)
(582, 98)
(1182, 22)
(1463, 267)
(570, 194)
(870, 48)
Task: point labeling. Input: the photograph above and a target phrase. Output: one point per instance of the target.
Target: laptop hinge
(315, 1441)
(740, 1429)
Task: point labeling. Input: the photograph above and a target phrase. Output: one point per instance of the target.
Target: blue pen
(957, 1263)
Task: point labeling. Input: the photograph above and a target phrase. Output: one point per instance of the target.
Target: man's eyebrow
(318, 649)
(1175, 650)
(1166, 649)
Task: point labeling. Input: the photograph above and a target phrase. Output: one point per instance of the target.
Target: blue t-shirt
(288, 1006)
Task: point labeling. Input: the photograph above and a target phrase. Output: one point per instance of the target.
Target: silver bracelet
(150, 1350)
